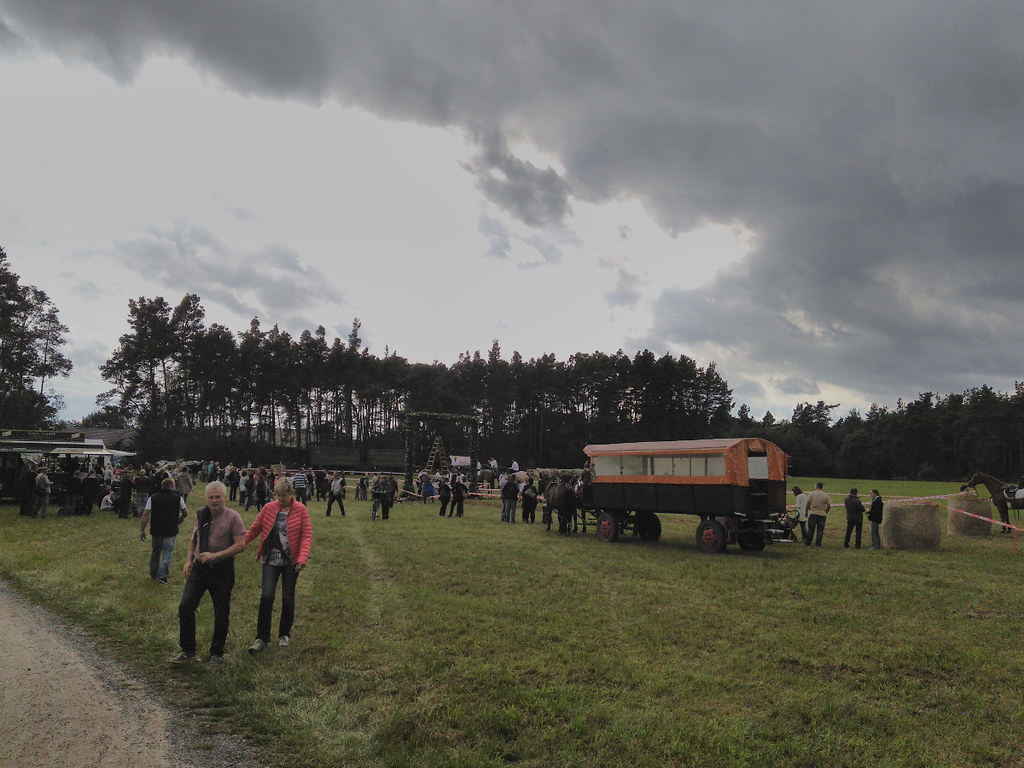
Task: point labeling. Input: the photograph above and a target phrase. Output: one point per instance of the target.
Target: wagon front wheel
(607, 527)
(711, 536)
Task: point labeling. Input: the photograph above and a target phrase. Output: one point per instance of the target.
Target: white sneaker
(283, 640)
(257, 646)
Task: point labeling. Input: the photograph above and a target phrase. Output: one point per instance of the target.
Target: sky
(825, 200)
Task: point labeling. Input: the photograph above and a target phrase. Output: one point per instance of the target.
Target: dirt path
(63, 704)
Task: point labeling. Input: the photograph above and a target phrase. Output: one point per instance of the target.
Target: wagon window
(607, 465)
(633, 465)
(661, 465)
(716, 464)
(681, 466)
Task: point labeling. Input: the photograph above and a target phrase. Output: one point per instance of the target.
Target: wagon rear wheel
(711, 536)
(607, 527)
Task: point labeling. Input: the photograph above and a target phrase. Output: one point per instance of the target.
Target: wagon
(737, 486)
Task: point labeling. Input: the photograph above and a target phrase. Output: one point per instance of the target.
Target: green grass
(430, 642)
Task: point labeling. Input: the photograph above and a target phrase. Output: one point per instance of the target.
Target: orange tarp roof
(735, 450)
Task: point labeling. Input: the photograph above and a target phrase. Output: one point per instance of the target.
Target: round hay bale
(964, 525)
(915, 525)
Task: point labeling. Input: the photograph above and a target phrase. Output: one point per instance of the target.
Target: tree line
(194, 390)
(190, 388)
(187, 387)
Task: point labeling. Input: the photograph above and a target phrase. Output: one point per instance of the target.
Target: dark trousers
(815, 522)
(219, 580)
(457, 508)
(444, 504)
(288, 577)
(851, 526)
(529, 510)
(331, 498)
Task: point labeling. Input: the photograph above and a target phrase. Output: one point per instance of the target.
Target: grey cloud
(538, 197)
(499, 242)
(273, 281)
(873, 148)
(627, 289)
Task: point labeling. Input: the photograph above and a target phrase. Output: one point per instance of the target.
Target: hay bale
(916, 525)
(963, 525)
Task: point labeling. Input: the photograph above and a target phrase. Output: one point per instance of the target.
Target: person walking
(285, 535)
(875, 519)
(854, 518)
(337, 493)
(164, 511)
(444, 494)
(217, 536)
(818, 505)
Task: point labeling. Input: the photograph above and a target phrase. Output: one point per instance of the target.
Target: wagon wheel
(711, 536)
(607, 527)
(648, 527)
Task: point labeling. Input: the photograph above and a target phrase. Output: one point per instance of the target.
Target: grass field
(423, 641)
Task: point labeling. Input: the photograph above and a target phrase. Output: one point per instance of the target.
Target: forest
(188, 389)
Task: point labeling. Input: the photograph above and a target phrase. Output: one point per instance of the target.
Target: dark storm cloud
(874, 149)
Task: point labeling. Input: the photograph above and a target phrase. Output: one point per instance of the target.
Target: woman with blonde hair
(285, 535)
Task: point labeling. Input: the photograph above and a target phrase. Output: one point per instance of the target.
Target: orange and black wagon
(737, 486)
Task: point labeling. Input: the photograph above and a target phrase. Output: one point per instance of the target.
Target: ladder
(438, 457)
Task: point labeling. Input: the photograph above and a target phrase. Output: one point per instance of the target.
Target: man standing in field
(818, 505)
(875, 518)
(43, 486)
(801, 510)
(854, 517)
(217, 536)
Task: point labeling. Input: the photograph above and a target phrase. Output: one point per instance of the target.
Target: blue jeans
(508, 510)
(160, 558)
(288, 577)
(219, 580)
(876, 540)
(140, 503)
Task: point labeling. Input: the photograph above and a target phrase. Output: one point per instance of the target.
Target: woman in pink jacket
(285, 535)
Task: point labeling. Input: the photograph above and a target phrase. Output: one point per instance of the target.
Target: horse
(560, 497)
(1002, 496)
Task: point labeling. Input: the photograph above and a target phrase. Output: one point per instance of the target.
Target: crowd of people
(158, 496)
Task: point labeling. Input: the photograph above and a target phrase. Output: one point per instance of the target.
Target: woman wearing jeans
(285, 536)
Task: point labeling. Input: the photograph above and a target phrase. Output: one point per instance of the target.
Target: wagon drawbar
(737, 486)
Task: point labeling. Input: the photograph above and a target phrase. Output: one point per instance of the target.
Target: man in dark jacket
(875, 518)
(854, 517)
(164, 511)
(509, 496)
